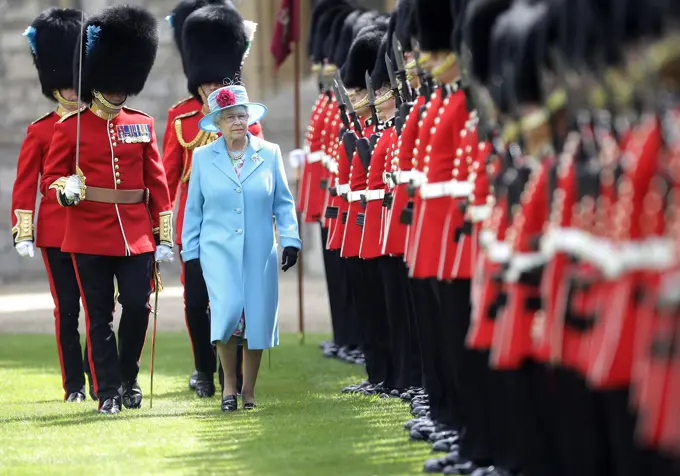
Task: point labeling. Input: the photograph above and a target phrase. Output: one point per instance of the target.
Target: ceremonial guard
(182, 136)
(52, 37)
(104, 166)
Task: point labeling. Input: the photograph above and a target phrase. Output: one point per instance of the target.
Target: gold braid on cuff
(23, 230)
(165, 229)
(59, 185)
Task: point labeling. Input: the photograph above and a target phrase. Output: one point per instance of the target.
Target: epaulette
(186, 114)
(136, 110)
(70, 114)
(45, 116)
(179, 103)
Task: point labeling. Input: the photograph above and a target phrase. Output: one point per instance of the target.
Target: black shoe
(110, 406)
(437, 465)
(192, 380)
(229, 403)
(90, 382)
(205, 386)
(447, 445)
(76, 397)
(415, 421)
(249, 406)
(463, 468)
(442, 435)
(132, 395)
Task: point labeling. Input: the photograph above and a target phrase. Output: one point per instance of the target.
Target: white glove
(25, 248)
(164, 253)
(72, 188)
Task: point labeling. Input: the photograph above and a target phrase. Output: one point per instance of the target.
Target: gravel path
(27, 307)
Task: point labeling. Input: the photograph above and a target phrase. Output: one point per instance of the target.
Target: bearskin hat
(344, 41)
(335, 32)
(380, 76)
(323, 29)
(180, 13)
(406, 26)
(53, 36)
(319, 10)
(119, 49)
(434, 24)
(479, 20)
(216, 41)
(362, 56)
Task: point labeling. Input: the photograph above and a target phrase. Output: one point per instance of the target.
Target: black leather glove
(288, 258)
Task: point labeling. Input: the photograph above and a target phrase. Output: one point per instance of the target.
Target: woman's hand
(288, 258)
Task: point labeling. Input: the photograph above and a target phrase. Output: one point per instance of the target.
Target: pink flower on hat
(225, 98)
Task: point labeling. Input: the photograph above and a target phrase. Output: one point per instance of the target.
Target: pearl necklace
(236, 157)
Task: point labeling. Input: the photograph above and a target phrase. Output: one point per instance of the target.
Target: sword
(393, 81)
(341, 105)
(371, 97)
(79, 172)
(406, 92)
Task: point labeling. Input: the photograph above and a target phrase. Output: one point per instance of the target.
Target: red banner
(286, 32)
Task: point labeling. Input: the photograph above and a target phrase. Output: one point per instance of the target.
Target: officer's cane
(157, 286)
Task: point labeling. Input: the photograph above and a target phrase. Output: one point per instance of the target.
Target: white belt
(388, 179)
(522, 262)
(354, 196)
(374, 195)
(479, 213)
(342, 188)
(452, 188)
(406, 176)
(314, 157)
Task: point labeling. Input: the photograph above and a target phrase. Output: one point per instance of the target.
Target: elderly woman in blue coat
(238, 195)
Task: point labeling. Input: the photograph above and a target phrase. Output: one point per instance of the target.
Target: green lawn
(303, 425)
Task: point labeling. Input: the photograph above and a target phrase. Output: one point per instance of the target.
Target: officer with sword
(104, 166)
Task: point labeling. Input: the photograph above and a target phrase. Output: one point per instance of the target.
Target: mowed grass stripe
(303, 425)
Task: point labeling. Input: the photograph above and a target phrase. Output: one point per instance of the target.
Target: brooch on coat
(255, 157)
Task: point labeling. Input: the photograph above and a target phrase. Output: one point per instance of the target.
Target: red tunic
(106, 161)
(331, 178)
(371, 246)
(351, 241)
(337, 232)
(611, 355)
(314, 204)
(425, 130)
(30, 166)
(395, 234)
(455, 258)
(512, 342)
(312, 144)
(479, 208)
(430, 242)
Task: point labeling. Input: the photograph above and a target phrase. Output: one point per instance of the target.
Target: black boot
(205, 386)
(132, 395)
(76, 396)
(110, 406)
(192, 380)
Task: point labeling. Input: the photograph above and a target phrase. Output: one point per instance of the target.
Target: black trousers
(197, 316)
(438, 369)
(372, 312)
(66, 295)
(114, 364)
(337, 292)
(400, 309)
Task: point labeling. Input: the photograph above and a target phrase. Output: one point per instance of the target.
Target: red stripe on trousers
(57, 319)
(87, 329)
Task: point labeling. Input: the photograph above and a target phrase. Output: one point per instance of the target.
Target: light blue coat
(228, 224)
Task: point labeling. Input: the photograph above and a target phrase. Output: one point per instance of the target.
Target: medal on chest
(134, 133)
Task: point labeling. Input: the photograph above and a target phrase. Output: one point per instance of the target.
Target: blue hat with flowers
(228, 97)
